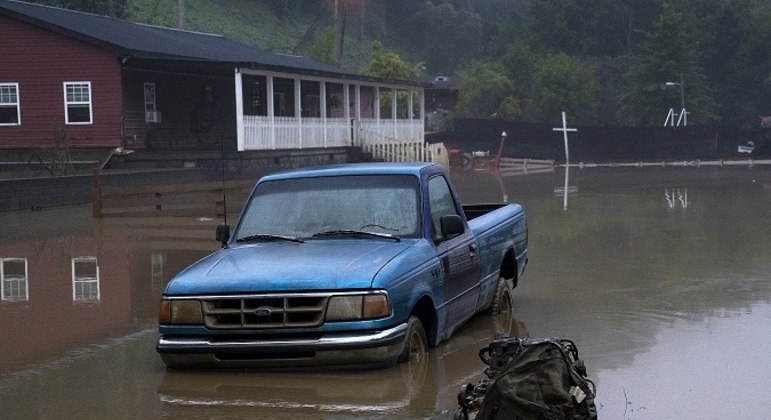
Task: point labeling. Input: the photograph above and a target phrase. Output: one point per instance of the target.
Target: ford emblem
(263, 311)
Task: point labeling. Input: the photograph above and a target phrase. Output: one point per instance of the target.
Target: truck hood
(286, 266)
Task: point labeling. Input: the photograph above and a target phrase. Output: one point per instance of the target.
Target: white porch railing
(389, 140)
(393, 141)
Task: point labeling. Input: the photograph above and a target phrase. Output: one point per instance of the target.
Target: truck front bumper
(360, 349)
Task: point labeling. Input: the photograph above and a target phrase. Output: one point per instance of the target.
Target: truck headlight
(176, 312)
(353, 307)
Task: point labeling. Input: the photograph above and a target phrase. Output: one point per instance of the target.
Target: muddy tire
(416, 344)
(503, 301)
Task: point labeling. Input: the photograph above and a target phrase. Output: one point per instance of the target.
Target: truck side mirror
(452, 225)
(223, 234)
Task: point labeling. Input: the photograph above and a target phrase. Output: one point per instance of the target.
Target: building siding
(188, 121)
(40, 61)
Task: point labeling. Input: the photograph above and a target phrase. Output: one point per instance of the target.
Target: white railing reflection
(676, 197)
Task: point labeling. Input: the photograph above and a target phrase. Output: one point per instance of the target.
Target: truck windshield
(305, 207)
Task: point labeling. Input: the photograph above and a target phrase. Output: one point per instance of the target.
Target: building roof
(147, 42)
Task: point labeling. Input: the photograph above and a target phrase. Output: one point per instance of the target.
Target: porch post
(394, 120)
(238, 83)
(323, 108)
(347, 106)
(298, 110)
(422, 115)
(410, 110)
(271, 111)
(357, 115)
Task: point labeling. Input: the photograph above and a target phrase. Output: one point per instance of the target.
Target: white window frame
(79, 281)
(150, 94)
(79, 102)
(8, 279)
(9, 91)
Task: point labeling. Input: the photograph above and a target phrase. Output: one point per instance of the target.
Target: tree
(322, 49)
(387, 63)
(447, 38)
(665, 55)
(587, 27)
(563, 84)
(486, 92)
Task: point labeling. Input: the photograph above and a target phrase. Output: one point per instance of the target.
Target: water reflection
(655, 273)
(86, 281)
(407, 390)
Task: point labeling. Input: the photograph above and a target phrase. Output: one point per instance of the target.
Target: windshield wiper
(355, 233)
(267, 237)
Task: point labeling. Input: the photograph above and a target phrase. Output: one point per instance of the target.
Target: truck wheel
(503, 300)
(416, 345)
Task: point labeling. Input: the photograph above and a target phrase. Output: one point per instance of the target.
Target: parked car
(357, 265)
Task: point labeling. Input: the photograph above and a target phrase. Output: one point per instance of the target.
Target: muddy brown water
(662, 277)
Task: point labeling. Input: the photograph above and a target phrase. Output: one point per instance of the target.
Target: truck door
(458, 256)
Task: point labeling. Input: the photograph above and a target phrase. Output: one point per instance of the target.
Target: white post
(323, 108)
(271, 110)
(298, 110)
(240, 135)
(670, 118)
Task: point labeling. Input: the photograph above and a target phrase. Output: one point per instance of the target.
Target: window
(255, 94)
(441, 202)
(151, 110)
(306, 206)
(335, 100)
(77, 103)
(85, 280)
(283, 97)
(310, 94)
(9, 104)
(13, 274)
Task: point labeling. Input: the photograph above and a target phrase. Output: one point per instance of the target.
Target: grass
(248, 21)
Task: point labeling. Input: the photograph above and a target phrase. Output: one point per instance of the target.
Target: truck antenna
(224, 190)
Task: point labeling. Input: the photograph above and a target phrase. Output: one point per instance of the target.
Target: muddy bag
(529, 379)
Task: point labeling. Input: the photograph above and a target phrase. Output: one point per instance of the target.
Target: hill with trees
(605, 62)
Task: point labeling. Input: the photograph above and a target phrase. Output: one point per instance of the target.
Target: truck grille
(264, 312)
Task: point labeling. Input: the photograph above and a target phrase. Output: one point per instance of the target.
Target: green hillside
(245, 20)
(249, 21)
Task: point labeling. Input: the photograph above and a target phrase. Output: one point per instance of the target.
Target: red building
(98, 82)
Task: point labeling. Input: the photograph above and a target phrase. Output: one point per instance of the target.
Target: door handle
(472, 249)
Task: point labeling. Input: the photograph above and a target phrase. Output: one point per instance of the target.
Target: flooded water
(660, 275)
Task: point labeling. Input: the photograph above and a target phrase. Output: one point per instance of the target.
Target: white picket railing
(393, 141)
(389, 140)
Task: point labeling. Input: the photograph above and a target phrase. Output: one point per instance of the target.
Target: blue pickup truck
(361, 265)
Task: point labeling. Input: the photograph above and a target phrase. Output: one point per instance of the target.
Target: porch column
(298, 110)
(357, 115)
(422, 113)
(238, 83)
(347, 107)
(377, 107)
(410, 111)
(271, 111)
(323, 108)
(394, 119)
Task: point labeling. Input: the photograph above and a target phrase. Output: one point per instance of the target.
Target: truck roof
(370, 168)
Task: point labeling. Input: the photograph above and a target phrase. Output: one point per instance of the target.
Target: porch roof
(155, 43)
